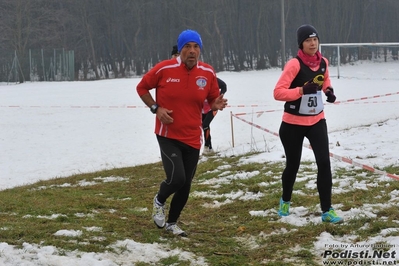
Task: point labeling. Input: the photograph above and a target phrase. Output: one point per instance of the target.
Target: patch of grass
(393, 169)
(117, 203)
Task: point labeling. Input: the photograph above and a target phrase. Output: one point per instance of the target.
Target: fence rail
(37, 65)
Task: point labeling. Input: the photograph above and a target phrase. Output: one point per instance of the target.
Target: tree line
(122, 38)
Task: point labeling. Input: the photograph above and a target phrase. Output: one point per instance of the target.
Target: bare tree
(27, 24)
(119, 38)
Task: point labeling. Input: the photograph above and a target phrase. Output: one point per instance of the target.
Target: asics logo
(172, 80)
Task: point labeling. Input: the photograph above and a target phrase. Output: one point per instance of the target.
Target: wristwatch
(154, 108)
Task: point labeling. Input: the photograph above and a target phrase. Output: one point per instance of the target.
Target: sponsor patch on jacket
(201, 83)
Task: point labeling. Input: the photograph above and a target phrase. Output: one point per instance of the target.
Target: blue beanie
(188, 36)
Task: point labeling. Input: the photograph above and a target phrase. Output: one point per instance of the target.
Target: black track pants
(292, 137)
(180, 163)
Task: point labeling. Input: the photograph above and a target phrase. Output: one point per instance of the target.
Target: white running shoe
(208, 151)
(174, 229)
(158, 213)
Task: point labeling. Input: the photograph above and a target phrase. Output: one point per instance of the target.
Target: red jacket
(183, 91)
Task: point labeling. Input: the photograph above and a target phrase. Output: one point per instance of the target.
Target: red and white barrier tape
(255, 125)
(76, 106)
(351, 101)
(342, 159)
(363, 166)
(231, 106)
(112, 107)
(365, 98)
(259, 113)
(247, 105)
(369, 102)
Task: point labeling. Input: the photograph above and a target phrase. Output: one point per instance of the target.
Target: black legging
(180, 163)
(206, 125)
(292, 137)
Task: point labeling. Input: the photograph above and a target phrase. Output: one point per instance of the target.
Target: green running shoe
(284, 209)
(331, 217)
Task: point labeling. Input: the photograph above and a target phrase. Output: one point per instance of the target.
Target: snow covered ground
(56, 129)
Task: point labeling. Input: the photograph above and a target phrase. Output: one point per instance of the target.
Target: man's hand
(163, 115)
(219, 103)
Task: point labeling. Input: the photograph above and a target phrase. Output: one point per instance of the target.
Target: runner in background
(207, 117)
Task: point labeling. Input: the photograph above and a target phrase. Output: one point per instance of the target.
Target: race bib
(311, 104)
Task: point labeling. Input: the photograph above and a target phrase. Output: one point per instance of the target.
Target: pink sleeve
(281, 90)
(206, 108)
